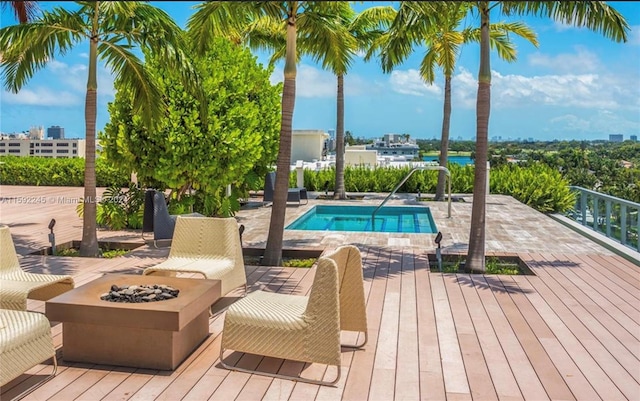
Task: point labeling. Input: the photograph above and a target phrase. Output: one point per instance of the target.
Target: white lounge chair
(209, 246)
(302, 328)
(16, 285)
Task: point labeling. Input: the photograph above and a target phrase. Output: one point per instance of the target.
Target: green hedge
(538, 185)
(57, 172)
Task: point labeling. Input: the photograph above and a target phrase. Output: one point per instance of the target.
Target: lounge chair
(293, 195)
(16, 285)
(209, 246)
(301, 328)
(156, 217)
(25, 341)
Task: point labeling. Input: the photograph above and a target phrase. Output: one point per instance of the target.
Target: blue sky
(575, 85)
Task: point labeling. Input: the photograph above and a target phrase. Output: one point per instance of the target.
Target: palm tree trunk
(339, 188)
(273, 250)
(89, 244)
(444, 138)
(476, 256)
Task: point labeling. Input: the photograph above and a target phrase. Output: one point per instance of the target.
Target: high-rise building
(36, 132)
(633, 138)
(615, 138)
(55, 132)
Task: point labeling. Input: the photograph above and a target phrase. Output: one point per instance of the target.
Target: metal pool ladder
(413, 170)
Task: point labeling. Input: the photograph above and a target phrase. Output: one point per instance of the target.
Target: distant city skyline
(576, 85)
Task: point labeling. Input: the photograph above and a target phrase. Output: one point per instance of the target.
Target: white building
(308, 145)
(56, 148)
(358, 155)
(397, 146)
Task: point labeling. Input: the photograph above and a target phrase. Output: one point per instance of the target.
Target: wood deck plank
(571, 374)
(600, 342)
(384, 366)
(407, 386)
(455, 378)
(431, 376)
(548, 306)
(543, 365)
(478, 376)
(523, 371)
(376, 268)
(502, 377)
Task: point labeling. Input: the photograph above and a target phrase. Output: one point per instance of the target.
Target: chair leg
(278, 376)
(39, 384)
(366, 338)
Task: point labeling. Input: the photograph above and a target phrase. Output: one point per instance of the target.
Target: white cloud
(580, 61)
(74, 77)
(594, 123)
(409, 82)
(568, 90)
(41, 96)
(313, 82)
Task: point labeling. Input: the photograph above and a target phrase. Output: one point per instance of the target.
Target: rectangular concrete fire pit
(154, 335)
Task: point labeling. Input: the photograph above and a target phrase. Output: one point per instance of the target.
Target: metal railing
(413, 170)
(613, 217)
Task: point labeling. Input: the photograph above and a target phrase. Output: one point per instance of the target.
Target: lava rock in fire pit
(140, 293)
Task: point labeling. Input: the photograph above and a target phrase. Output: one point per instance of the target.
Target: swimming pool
(389, 219)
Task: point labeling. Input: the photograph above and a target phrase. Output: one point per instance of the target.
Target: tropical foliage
(110, 30)
(438, 26)
(237, 145)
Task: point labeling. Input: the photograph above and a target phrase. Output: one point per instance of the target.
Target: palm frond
(130, 73)
(218, 19)
(28, 47)
(595, 15)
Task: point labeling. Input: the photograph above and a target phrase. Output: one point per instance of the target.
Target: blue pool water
(462, 160)
(389, 219)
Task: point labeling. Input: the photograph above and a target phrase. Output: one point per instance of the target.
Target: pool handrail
(413, 170)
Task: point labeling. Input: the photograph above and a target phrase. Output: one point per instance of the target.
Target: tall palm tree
(242, 20)
(24, 11)
(358, 32)
(594, 15)
(111, 29)
(438, 28)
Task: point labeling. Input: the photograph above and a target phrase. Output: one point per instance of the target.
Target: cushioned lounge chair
(16, 285)
(156, 217)
(293, 195)
(301, 328)
(209, 246)
(25, 341)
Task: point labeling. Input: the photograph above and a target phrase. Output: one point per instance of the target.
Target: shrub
(41, 171)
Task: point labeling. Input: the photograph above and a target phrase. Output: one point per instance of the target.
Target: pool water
(389, 219)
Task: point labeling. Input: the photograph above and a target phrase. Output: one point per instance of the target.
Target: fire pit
(140, 293)
(153, 335)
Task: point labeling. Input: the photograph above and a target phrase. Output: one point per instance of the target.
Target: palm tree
(24, 11)
(359, 33)
(245, 21)
(111, 28)
(415, 24)
(594, 15)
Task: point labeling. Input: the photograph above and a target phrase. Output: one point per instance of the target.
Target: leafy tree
(596, 15)
(238, 20)
(239, 141)
(112, 29)
(437, 26)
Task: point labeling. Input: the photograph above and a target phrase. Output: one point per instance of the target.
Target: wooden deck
(571, 332)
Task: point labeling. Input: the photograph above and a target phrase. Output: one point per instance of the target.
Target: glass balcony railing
(613, 217)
